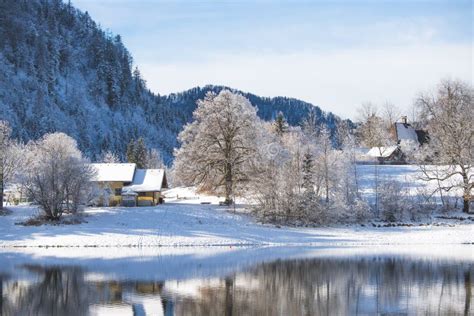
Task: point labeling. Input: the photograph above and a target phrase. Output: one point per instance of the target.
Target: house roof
(114, 172)
(147, 180)
(382, 152)
(406, 132)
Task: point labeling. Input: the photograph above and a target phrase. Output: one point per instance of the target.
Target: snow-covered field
(182, 224)
(184, 221)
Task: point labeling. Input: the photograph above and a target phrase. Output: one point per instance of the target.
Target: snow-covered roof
(147, 180)
(382, 152)
(405, 132)
(111, 172)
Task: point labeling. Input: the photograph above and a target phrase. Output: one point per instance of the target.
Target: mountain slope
(60, 72)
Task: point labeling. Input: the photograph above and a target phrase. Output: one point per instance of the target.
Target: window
(118, 191)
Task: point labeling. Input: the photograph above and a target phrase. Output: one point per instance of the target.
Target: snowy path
(180, 224)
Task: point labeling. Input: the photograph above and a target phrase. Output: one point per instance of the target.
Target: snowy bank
(187, 224)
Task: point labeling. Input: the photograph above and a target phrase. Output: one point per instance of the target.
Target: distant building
(405, 132)
(386, 155)
(406, 140)
(119, 182)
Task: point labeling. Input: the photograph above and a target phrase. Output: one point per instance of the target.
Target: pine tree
(140, 153)
(131, 151)
(307, 170)
(309, 195)
(280, 125)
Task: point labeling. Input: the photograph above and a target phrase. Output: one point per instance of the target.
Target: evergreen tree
(280, 125)
(137, 153)
(307, 170)
(141, 153)
(131, 151)
(76, 78)
(309, 195)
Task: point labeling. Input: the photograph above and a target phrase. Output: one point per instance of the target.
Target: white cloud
(338, 81)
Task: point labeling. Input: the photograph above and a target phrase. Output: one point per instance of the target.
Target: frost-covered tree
(449, 116)
(372, 131)
(154, 159)
(57, 177)
(394, 201)
(390, 114)
(218, 146)
(11, 158)
(310, 125)
(304, 180)
(109, 157)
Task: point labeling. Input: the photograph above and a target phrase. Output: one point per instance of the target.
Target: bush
(393, 201)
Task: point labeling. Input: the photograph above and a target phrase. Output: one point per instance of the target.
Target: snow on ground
(180, 224)
(408, 175)
(190, 219)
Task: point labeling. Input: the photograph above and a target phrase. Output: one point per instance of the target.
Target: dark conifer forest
(60, 71)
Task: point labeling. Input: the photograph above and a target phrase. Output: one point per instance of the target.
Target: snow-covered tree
(394, 201)
(449, 116)
(109, 157)
(154, 159)
(137, 153)
(310, 125)
(372, 130)
(11, 158)
(218, 146)
(324, 164)
(390, 114)
(58, 177)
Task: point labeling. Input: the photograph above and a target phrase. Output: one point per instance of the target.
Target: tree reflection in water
(330, 286)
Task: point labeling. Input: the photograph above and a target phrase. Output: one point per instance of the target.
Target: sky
(334, 54)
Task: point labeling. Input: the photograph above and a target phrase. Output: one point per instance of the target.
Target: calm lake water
(243, 282)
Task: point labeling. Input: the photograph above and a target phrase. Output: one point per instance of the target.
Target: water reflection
(319, 286)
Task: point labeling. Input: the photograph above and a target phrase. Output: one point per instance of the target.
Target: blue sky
(336, 54)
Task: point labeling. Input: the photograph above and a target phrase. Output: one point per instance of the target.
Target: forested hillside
(59, 71)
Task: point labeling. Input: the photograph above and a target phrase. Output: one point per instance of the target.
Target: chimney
(404, 119)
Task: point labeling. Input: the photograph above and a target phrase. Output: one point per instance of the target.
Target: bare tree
(449, 115)
(372, 130)
(373, 133)
(11, 158)
(109, 157)
(390, 113)
(219, 144)
(58, 177)
(154, 159)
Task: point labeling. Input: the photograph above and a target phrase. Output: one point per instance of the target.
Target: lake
(236, 281)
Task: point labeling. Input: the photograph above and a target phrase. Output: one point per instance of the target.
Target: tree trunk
(228, 184)
(1, 188)
(465, 207)
(467, 193)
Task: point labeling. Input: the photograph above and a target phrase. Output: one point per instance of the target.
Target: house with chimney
(406, 134)
(406, 140)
